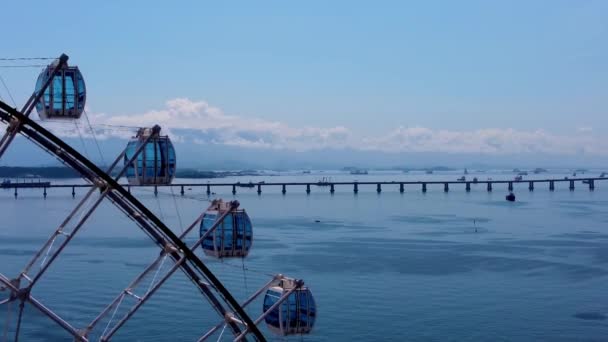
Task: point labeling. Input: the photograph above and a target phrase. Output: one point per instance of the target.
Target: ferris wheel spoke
(63, 231)
(19, 318)
(56, 318)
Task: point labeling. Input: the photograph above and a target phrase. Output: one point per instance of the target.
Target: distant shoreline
(59, 172)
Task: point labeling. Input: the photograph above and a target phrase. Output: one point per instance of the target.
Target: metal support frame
(23, 294)
(152, 287)
(186, 260)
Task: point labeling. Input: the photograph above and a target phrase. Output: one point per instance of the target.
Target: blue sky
(375, 70)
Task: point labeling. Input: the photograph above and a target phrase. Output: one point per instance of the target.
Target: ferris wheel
(224, 229)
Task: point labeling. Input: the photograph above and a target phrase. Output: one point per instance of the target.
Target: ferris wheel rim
(31, 130)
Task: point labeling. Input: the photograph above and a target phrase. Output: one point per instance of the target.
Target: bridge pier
(551, 186)
(44, 192)
(378, 188)
(16, 192)
(423, 187)
(182, 190)
(446, 188)
(284, 189)
(401, 188)
(331, 189)
(259, 189)
(308, 189)
(208, 189)
(468, 187)
(233, 189)
(591, 185)
(356, 188)
(489, 186)
(74, 192)
(571, 185)
(510, 186)
(531, 186)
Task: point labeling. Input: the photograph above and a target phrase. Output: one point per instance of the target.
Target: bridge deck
(548, 180)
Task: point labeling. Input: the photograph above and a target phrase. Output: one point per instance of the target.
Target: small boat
(518, 178)
(245, 185)
(466, 172)
(306, 171)
(474, 179)
(325, 181)
(574, 174)
(462, 179)
(429, 172)
(510, 197)
(603, 175)
(523, 173)
(358, 172)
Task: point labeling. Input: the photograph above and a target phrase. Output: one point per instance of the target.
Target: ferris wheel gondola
(294, 314)
(65, 95)
(233, 237)
(155, 164)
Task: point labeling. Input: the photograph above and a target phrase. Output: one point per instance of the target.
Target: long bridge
(424, 185)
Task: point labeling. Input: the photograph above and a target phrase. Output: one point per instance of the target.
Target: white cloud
(198, 122)
(491, 140)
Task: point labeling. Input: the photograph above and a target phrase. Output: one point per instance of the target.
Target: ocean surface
(438, 266)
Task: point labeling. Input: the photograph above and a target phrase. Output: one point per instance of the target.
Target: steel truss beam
(192, 266)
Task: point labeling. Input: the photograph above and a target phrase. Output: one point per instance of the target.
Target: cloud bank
(200, 123)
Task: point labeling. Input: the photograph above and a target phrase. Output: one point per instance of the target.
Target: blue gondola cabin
(233, 236)
(295, 315)
(65, 95)
(155, 164)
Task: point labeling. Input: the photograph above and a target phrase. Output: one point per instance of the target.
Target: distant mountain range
(222, 157)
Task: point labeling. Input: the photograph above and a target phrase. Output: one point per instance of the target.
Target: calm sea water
(438, 266)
